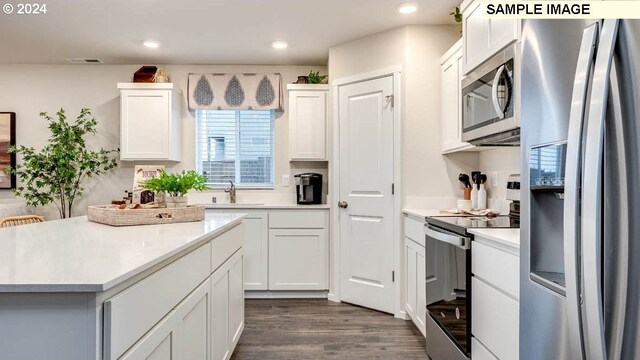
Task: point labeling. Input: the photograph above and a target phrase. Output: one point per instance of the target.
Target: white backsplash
(498, 164)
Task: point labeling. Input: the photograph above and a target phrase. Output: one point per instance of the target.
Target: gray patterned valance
(235, 91)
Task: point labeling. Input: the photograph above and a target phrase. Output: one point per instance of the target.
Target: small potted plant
(176, 186)
(316, 78)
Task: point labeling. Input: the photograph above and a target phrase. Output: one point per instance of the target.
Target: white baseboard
(248, 294)
(333, 297)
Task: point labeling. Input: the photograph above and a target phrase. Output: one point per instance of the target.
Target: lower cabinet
(415, 290)
(256, 245)
(182, 334)
(495, 302)
(227, 307)
(209, 321)
(285, 250)
(298, 259)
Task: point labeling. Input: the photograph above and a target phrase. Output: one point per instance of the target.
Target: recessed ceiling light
(279, 44)
(408, 8)
(151, 44)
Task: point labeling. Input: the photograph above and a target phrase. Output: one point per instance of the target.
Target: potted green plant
(457, 16)
(315, 77)
(55, 173)
(176, 186)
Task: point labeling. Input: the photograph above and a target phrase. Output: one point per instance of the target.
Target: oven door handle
(494, 93)
(449, 238)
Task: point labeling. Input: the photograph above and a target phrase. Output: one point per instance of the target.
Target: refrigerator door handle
(573, 179)
(591, 227)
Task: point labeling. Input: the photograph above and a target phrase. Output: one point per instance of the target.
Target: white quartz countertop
(508, 237)
(425, 213)
(76, 255)
(226, 206)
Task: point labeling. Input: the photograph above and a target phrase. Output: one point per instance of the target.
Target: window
(236, 145)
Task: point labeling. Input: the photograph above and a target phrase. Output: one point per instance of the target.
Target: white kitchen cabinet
(415, 294)
(150, 121)
(298, 259)
(415, 272)
(308, 110)
(181, 334)
(285, 250)
(483, 37)
(227, 314)
(495, 288)
(256, 248)
(451, 72)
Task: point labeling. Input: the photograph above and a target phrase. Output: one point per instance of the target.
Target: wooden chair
(20, 220)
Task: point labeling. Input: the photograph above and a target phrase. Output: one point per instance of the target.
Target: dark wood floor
(321, 329)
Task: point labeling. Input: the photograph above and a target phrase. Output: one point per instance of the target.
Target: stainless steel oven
(448, 290)
(488, 102)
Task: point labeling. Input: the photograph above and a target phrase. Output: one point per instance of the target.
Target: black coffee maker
(308, 188)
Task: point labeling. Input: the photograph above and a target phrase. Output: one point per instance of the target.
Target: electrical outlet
(214, 200)
(285, 180)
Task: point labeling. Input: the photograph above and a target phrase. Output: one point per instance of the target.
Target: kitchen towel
(235, 91)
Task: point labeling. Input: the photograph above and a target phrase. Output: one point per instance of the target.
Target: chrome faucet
(232, 192)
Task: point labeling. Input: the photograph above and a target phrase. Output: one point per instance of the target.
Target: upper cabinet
(483, 37)
(451, 67)
(150, 121)
(308, 109)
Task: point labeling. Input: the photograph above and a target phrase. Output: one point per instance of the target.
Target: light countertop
(508, 237)
(425, 213)
(226, 206)
(76, 255)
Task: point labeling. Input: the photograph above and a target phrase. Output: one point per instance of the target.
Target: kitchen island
(72, 289)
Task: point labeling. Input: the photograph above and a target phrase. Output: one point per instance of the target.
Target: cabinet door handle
(343, 204)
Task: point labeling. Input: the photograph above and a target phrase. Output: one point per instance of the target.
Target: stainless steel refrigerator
(580, 229)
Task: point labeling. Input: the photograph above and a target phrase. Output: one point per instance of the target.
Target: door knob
(343, 204)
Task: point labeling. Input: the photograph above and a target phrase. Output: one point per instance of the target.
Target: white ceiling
(202, 31)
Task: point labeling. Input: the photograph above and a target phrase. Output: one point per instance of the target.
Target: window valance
(235, 91)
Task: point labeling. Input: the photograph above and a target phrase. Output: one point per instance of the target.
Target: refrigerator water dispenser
(546, 166)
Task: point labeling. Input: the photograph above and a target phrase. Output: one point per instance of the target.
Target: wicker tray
(131, 217)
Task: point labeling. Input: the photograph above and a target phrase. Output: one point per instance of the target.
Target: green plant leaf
(55, 174)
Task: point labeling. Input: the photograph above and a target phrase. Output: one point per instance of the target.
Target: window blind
(236, 145)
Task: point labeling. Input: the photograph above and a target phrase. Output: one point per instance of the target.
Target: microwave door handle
(494, 93)
(592, 206)
(584, 65)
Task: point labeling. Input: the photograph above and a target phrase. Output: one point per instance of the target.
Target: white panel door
(236, 298)
(145, 124)
(158, 344)
(220, 349)
(298, 259)
(411, 274)
(193, 329)
(256, 251)
(366, 177)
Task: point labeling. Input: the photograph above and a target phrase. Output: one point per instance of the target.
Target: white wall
(429, 179)
(30, 89)
(498, 164)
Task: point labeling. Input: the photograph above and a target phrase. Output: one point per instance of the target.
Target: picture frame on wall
(7, 139)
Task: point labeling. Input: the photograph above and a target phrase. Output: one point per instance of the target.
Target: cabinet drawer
(480, 352)
(414, 230)
(494, 320)
(151, 299)
(496, 267)
(225, 245)
(297, 219)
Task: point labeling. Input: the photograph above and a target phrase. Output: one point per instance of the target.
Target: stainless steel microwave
(488, 102)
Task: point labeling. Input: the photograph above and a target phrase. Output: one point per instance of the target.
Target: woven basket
(131, 217)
